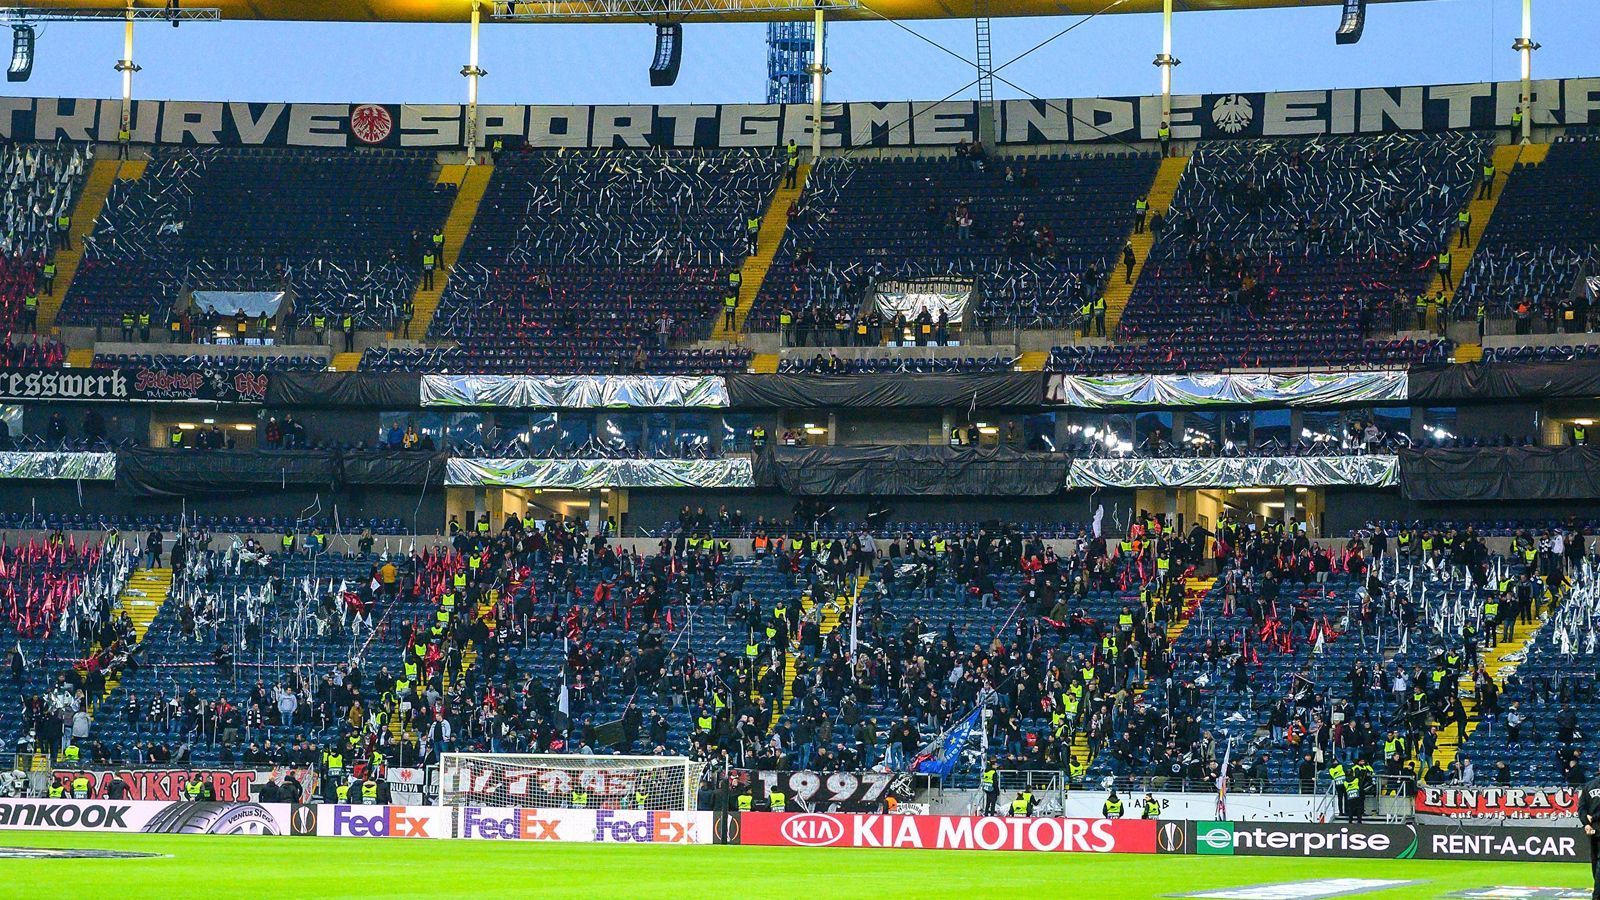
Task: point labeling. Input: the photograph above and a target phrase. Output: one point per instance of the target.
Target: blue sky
(1437, 41)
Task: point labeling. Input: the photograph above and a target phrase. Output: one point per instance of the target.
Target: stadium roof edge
(437, 11)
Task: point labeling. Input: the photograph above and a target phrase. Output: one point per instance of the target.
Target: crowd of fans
(1110, 658)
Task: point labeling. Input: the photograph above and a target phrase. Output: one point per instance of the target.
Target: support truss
(23, 14)
(577, 10)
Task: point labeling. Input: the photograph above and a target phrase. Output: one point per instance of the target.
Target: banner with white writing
(1343, 111)
(1499, 803)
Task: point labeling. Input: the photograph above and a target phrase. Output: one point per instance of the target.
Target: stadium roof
(747, 10)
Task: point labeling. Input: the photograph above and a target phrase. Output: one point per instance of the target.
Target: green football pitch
(233, 866)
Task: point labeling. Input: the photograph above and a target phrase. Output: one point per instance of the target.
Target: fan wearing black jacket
(1589, 815)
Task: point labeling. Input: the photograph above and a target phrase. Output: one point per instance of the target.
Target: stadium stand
(240, 220)
(1115, 660)
(1037, 234)
(1292, 253)
(1141, 656)
(597, 261)
(1544, 234)
(41, 184)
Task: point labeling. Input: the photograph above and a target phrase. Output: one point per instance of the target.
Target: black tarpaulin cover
(911, 470)
(1501, 473)
(192, 473)
(347, 390)
(1506, 380)
(809, 391)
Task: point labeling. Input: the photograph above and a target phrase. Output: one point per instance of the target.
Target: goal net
(554, 781)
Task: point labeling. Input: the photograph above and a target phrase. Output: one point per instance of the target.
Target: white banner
(584, 826)
(588, 474)
(912, 298)
(1251, 471)
(1216, 388)
(149, 816)
(378, 821)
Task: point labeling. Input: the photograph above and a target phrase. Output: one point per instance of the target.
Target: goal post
(561, 781)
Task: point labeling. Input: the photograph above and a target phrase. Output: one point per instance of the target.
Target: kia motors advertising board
(381, 821)
(1499, 803)
(587, 826)
(145, 815)
(949, 832)
(1311, 839)
(1503, 842)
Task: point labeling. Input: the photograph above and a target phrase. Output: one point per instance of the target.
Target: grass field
(233, 866)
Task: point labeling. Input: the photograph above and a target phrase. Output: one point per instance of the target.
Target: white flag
(561, 699)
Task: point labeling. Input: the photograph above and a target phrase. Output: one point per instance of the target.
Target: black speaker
(669, 55)
(1352, 22)
(21, 68)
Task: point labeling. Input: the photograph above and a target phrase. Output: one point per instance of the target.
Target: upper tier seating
(863, 221)
(1544, 233)
(41, 182)
(342, 231)
(1286, 253)
(575, 257)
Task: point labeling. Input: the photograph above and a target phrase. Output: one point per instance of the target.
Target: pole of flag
(1222, 782)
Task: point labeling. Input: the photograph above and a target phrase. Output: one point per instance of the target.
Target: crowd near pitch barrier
(1314, 840)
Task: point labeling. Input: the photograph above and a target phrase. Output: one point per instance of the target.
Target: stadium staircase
(345, 362)
(764, 364)
(102, 175)
(1161, 193)
(831, 618)
(1506, 158)
(754, 271)
(81, 358)
(1192, 587)
(471, 183)
(1467, 353)
(142, 598)
(1034, 360)
(1498, 663)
